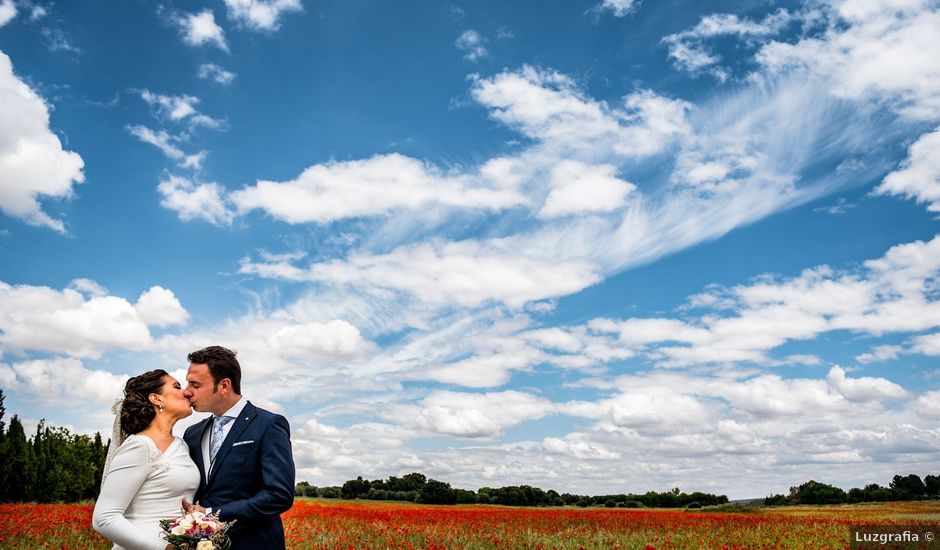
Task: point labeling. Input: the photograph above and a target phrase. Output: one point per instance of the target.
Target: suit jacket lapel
(240, 423)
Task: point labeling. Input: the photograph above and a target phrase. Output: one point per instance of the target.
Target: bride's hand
(188, 507)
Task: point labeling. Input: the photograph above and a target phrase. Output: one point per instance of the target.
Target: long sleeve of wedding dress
(142, 487)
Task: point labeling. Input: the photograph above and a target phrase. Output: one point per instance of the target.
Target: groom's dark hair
(222, 364)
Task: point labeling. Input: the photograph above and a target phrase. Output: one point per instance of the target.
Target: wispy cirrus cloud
(166, 143)
(179, 108)
(216, 73)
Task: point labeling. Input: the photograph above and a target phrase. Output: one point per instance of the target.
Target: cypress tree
(4, 454)
(22, 467)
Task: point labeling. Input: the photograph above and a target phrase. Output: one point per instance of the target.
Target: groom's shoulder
(263, 414)
(266, 416)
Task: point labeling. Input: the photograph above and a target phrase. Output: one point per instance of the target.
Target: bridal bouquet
(197, 531)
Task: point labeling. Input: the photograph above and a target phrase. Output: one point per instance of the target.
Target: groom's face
(201, 389)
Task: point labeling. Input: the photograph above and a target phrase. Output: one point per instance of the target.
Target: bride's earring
(161, 407)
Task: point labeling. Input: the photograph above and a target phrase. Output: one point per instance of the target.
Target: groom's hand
(188, 507)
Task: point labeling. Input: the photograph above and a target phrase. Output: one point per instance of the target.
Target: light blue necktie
(215, 441)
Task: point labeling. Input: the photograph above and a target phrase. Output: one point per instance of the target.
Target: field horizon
(316, 523)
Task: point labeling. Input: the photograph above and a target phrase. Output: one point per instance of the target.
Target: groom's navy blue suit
(252, 477)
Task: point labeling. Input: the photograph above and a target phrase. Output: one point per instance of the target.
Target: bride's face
(174, 402)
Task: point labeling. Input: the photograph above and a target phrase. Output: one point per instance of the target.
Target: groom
(243, 453)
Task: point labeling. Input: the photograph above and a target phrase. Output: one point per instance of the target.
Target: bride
(151, 472)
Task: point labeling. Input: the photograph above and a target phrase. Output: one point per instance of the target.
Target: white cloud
(549, 107)
(163, 141)
(57, 40)
(338, 190)
(578, 188)
(928, 405)
(880, 353)
(7, 11)
(471, 415)
(214, 72)
(651, 410)
(37, 12)
(33, 163)
(160, 307)
(334, 338)
(691, 58)
(179, 108)
(639, 332)
(299, 352)
(579, 447)
(201, 28)
(61, 382)
(688, 50)
(88, 286)
(195, 201)
(864, 388)
(872, 51)
(928, 344)
(619, 8)
(261, 15)
(554, 338)
(919, 176)
(483, 370)
(38, 318)
(472, 42)
(467, 273)
(891, 294)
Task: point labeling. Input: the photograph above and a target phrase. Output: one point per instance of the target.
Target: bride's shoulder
(135, 442)
(134, 448)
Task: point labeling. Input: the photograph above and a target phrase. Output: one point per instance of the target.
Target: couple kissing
(236, 464)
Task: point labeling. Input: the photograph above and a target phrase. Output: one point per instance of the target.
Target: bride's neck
(161, 426)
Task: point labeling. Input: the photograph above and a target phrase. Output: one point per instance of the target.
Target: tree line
(53, 465)
(416, 487)
(907, 487)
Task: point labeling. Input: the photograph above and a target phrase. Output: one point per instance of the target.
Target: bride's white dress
(142, 487)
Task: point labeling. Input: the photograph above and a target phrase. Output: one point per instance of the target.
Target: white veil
(117, 437)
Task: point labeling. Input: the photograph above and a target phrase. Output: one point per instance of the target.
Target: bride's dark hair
(137, 412)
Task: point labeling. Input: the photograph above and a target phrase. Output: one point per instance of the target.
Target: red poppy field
(329, 524)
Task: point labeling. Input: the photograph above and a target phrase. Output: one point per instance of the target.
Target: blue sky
(587, 246)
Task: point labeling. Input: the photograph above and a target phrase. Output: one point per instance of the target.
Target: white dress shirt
(233, 412)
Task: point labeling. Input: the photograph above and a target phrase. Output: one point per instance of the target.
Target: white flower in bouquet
(197, 531)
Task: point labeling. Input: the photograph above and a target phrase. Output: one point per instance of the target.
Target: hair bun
(137, 412)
